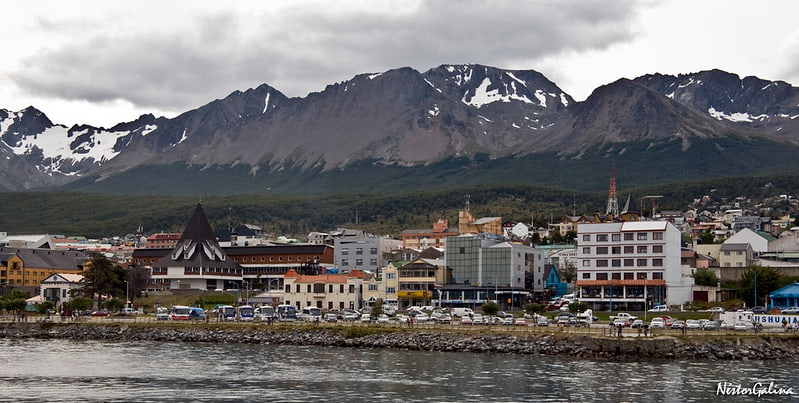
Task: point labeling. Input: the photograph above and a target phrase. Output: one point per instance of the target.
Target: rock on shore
(630, 349)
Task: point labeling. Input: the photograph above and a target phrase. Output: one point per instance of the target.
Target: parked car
(443, 318)
(637, 323)
(401, 318)
(791, 310)
(677, 324)
(657, 323)
(503, 315)
(623, 322)
(383, 318)
(659, 308)
(565, 319)
(366, 318)
(421, 318)
(508, 320)
(466, 320)
(477, 319)
(331, 317)
(743, 326)
(101, 312)
(520, 322)
(759, 310)
(667, 319)
(715, 309)
(712, 325)
(692, 324)
(542, 321)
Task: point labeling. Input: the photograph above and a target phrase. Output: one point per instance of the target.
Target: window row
(358, 262)
(272, 259)
(624, 276)
(320, 288)
(627, 250)
(656, 262)
(358, 251)
(628, 236)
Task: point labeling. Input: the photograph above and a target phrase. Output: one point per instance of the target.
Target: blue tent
(785, 297)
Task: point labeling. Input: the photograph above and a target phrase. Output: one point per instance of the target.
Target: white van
(460, 312)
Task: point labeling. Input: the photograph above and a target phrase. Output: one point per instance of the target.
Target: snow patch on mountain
(735, 116)
(483, 96)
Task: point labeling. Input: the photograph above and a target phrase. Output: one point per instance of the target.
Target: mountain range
(450, 126)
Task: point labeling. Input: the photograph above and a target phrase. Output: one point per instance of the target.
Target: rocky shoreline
(749, 347)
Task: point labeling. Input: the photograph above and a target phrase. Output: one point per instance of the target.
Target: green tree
(531, 308)
(767, 280)
(706, 237)
(490, 308)
(377, 308)
(705, 277)
(45, 307)
(103, 278)
(114, 304)
(568, 272)
(80, 304)
(577, 307)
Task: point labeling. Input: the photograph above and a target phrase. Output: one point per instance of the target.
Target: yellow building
(468, 225)
(418, 280)
(21, 267)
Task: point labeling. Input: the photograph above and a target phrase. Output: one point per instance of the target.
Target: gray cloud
(303, 49)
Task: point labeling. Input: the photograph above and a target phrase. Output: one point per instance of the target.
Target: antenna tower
(613, 201)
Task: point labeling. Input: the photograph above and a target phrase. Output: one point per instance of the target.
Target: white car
(715, 309)
(741, 325)
(657, 323)
(383, 318)
(477, 319)
(659, 308)
(366, 318)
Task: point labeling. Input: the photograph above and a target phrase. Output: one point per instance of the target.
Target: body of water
(66, 370)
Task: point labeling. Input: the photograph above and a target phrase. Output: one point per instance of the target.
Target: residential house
(467, 224)
(418, 280)
(735, 255)
(432, 237)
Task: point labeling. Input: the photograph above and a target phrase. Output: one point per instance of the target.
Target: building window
(271, 258)
(657, 276)
(602, 250)
(359, 251)
(657, 262)
(345, 252)
(359, 262)
(629, 249)
(629, 262)
(586, 251)
(628, 276)
(657, 248)
(373, 262)
(602, 276)
(372, 287)
(602, 263)
(658, 236)
(391, 290)
(616, 250)
(308, 288)
(586, 263)
(615, 237)
(280, 258)
(345, 262)
(298, 288)
(727, 264)
(616, 276)
(726, 253)
(642, 276)
(391, 276)
(330, 289)
(628, 236)
(586, 276)
(641, 262)
(642, 236)
(641, 249)
(352, 289)
(739, 253)
(615, 262)
(373, 251)
(602, 238)
(289, 258)
(587, 238)
(341, 288)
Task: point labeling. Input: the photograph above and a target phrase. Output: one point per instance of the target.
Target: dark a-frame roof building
(197, 261)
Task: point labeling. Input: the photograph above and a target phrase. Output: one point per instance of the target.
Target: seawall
(699, 347)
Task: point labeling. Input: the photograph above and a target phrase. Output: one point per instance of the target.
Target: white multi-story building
(630, 264)
(326, 291)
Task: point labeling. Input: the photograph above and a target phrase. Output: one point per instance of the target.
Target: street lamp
(127, 293)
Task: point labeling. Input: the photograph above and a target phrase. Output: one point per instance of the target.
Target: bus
(245, 312)
(180, 312)
(287, 313)
(226, 312)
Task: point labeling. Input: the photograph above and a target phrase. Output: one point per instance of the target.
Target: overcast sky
(104, 62)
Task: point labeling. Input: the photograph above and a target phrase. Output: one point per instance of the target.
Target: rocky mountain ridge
(404, 118)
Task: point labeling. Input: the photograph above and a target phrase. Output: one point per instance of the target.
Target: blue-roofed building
(785, 297)
(554, 284)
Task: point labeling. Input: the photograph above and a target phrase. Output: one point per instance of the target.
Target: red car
(668, 319)
(99, 313)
